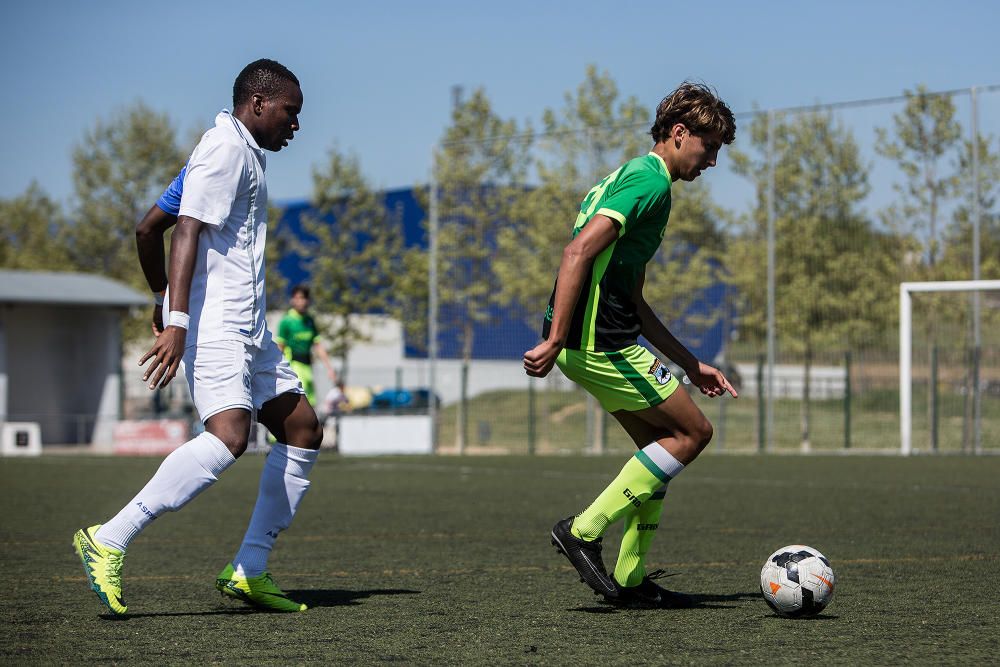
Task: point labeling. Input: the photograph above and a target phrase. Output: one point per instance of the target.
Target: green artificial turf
(446, 560)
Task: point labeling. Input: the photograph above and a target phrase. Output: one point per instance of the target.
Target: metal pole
(847, 400)
(977, 341)
(932, 388)
(531, 415)
(905, 359)
(761, 416)
(769, 443)
(432, 301)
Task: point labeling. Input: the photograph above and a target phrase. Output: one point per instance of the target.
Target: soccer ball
(797, 581)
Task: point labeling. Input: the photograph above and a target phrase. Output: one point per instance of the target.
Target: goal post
(906, 344)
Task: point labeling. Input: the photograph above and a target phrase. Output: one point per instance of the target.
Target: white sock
(663, 459)
(283, 483)
(186, 472)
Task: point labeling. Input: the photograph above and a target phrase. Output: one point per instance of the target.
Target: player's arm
(149, 244)
(168, 349)
(708, 379)
(577, 258)
(319, 349)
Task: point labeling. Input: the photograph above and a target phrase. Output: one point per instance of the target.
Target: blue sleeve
(170, 200)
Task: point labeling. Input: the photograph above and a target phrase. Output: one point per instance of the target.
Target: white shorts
(229, 374)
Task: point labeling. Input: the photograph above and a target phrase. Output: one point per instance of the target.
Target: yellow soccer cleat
(259, 591)
(103, 566)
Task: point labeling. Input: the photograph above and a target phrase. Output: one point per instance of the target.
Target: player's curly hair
(263, 76)
(696, 106)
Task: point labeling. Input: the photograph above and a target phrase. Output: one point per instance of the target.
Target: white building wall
(61, 368)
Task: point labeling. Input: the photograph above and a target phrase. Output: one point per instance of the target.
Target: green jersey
(298, 333)
(637, 196)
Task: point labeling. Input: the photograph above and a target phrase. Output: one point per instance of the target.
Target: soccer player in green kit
(591, 329)
(299, 338)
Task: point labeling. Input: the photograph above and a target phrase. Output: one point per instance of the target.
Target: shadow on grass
(698, 601)
(311, 597)
(235, 611)
(337, 598)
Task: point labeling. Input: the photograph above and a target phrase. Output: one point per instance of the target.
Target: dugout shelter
(61, 352)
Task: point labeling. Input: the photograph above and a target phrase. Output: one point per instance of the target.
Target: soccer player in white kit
(216, 325)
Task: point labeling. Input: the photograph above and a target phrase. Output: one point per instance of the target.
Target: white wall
(61, 368)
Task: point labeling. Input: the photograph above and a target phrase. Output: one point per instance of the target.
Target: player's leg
(631, 380)
(640, 527)
(214, 373)
(283, 482)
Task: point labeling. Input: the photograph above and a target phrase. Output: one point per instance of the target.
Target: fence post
(531, 415)
(432, 303)
(771, 326)
(847, 400)
(932, 391)
(977, 336)
(760, 404)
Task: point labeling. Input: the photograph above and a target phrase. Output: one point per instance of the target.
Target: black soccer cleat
(649, 594)
(585, 557)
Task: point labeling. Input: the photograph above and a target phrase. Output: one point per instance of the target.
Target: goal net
(949, 366)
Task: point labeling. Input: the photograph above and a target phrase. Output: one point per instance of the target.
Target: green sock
(637, 481)
(640, 529)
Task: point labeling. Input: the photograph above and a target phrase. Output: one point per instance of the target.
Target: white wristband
(178, 319)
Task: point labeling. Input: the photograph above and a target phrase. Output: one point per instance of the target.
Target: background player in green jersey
(591, 328)
(299, 339)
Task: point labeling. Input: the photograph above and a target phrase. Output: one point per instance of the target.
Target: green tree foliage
(354, 262)
(832, 285)
(956, 263)
(32, 232)
(925, 138)
(119, 169)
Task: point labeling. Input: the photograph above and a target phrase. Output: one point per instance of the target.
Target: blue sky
(377, 75)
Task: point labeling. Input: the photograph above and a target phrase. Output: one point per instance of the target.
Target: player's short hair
(263, 76)
(301, 289)
(697, 107)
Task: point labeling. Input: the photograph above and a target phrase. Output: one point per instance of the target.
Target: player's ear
(677, 133)
(258, 103)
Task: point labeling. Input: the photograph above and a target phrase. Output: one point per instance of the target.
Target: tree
(32, 232)
(354, 260)
(119, 169)
(925, 134)
(830, 265)
(481, 171)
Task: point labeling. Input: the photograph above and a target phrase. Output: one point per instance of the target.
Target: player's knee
(703, 433)
(316, 435)
(236, 443)
(307, 434)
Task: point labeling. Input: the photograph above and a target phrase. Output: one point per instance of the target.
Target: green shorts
(305, 373)
(631, 379)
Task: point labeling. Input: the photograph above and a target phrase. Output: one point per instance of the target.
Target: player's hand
(539, 360)
(711, 381)
(166, 354)
(157, 324)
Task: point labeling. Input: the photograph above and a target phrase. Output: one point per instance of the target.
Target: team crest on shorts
(660, 372)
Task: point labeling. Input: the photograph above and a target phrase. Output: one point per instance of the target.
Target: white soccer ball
(797, 581)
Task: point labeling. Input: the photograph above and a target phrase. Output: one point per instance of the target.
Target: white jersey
(224, 188)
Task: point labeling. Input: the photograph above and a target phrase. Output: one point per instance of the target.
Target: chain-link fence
(782, 266)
